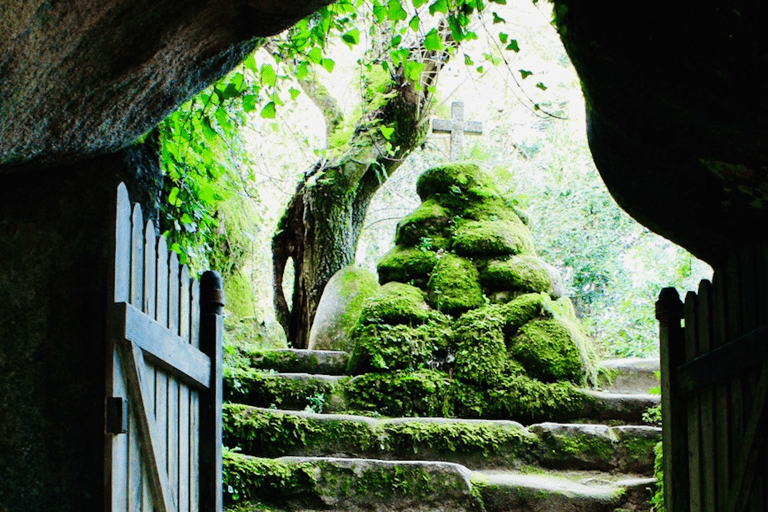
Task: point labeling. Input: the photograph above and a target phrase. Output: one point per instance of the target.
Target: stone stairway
(299, 447)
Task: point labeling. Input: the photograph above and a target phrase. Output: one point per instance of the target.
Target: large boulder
(675, 115)
(82, 77)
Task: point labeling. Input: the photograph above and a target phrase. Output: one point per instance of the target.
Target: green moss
(525, 274)
(458, 180)
(492, 238)
(658, 469)
(595, 451)
(251, 478)
(397, 303)
(268, 389)
(406, 264)
(548, 351)
(429, 220)
(481, 354)
(528, 401)
(400, 347)
(240, 295)
(492, 208)
(454, 286)
(401, 393)
(523, 309)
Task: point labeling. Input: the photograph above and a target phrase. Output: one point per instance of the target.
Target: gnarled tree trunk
(321, 226)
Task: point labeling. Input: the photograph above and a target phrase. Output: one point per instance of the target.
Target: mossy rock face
(397, 303)
(454, 286)
(407, 264)
(481, 353)
(492, 238)
(240, 296)
(491, 208)
(521, 274)
(429, 221)
(456, 180)
(523, 309)
(340, 308)
(548, 350)
(384, 347)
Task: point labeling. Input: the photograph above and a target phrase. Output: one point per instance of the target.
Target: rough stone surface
(292, 360)
(631, 375)
(339, 309)
(679, 147)
(54, 268)
(82, 77)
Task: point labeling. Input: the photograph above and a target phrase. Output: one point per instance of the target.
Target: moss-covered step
(348, 485)
(430, 393)
(285, 390)
(288, 360)
(478, 444)
(570, 491)
(630, 375)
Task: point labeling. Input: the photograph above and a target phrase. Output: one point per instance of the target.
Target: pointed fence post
(211, 330)
(669, 313)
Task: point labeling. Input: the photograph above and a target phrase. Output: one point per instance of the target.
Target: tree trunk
(321, 226)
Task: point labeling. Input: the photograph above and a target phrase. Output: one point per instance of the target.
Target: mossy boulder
(396, 347)
(522, 274)
(481, 352)
(397, 303)
(406, 264)
(464, 180)
(492, 238)
(549, 350)
(429, 221)
(454, 286)
(340, 307)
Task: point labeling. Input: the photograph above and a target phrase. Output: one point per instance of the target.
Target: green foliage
(657, 500)
(267, 389)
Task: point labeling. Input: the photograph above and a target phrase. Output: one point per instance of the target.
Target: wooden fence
(714, 373)
(163, 425)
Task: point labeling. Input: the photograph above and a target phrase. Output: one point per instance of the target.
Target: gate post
(669, 313)
(211, 331)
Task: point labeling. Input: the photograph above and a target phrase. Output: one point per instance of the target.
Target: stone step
(478, 444)
(288, 360)
(326, 393)
(343, 484)
(631, 375)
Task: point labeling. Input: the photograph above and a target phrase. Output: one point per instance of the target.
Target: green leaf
(438, 6)
(294, 93)
(328, 64)
(173, 197)
(268, 75)
(395, 11)
(249, 102)
(268, 112)
(387, 132)
(352, 37)
(432, 41)
(498, 19)
(503, 38)
(525, 74)
(250, 63)
(414, 24)
(513, 45)
(315, 55)
(480, 69)
(468, 60)
(380, 13)
(541, 86)
(413, 70)
(302, 70)
(418, 3)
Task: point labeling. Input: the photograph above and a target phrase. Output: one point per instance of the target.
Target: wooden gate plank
(722, 447)
(734, 329)
(709, 494)
(135, 465)
(150, 308)
(161, 378)
(164, 348)
(183, 457)
(162, 492)
(694, 409)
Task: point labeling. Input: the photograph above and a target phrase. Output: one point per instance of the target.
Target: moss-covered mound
(467, 254)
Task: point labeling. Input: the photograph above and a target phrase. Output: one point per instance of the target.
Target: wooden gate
(163, 424)
(714, 384)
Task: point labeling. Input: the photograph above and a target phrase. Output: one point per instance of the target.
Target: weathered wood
(669, 312)
(137, 257)
(163, 494)
(194, 314)
(694, 409)
(150, 268)
(135, 464)
(165, 349)
(211, 328)
(721, 391)
(704, 331)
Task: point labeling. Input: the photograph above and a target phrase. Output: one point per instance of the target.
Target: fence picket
(722, 447)
(704, 331)
(694, 409)
(172, 427)
(183, 458)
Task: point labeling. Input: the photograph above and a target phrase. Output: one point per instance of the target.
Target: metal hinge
(117, 415)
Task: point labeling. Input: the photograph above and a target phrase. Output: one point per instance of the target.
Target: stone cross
(457, 127)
